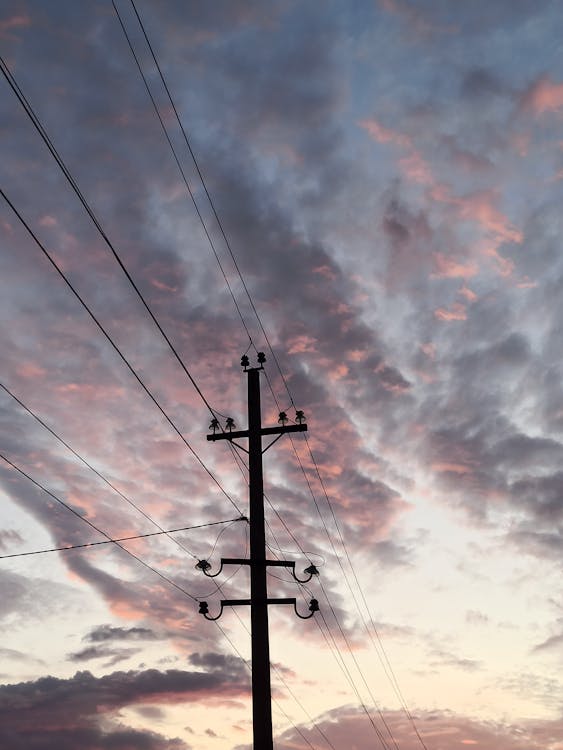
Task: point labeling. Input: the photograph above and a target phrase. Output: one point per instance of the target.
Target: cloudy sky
(388, 178)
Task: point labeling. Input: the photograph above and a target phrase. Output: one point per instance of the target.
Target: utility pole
(259, 601)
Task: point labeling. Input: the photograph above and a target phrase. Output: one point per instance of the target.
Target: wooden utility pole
(261, 689)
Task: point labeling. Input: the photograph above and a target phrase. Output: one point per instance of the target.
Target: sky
(388, 178)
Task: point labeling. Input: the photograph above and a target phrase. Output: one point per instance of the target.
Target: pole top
(245, 362)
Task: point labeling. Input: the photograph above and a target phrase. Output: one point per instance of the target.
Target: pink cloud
(480, 207)
(543, 96)
(161, 286)
(449, 268)
(415, 18)
(456, 312)
(357, 355)
(451, 467)
(468, 293)
(416, 169)
(325, 271)
(30, 370)
(382, 134)
(429, 350)
(47, 221)
(442, 730)
(503, 265)
(300, 344)
(338, 372)
(15, 22)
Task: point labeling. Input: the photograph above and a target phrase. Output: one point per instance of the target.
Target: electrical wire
(360, 671)
(48, 142)
(214, 547)
(117, 350)
(346, 671)
(179, 165)
(93, 469)
(96, 528)
(50, 145)
(352, 684)
(114, 541)
(162, 531)
(383, 657)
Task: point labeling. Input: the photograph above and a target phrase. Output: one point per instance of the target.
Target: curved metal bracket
(311, 570)
(313, 607)
(204, 566)
(204, 610)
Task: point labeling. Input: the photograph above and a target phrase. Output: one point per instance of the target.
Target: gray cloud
(51, 710)
(104, 633)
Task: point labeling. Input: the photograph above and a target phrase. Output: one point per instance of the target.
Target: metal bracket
(204, 566)
(204, 607)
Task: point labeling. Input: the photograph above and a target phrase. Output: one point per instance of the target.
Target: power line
(360, 671)
(66, 172)
(50, 145)
(385, 662)
(93, 469)
(101, 476)
(96, 528)
(335, 649)
(115, 541)
(46, 139)
(204, 185)
(342, 663)
(179, 165)
(117, 349)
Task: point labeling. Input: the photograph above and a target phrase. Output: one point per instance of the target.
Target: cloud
(19, 21)
(554, 642)
(474, 617)
(543, 96)
(440, 658)
(113, 655)
(59, 712)
(382, 134)
(439, 730)
(103, 633)
(8, 538)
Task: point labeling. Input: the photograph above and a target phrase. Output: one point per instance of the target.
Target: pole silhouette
(259, 601)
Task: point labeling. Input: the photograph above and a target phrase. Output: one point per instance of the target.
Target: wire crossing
(117, 349)
(115, 541)
(96, 528)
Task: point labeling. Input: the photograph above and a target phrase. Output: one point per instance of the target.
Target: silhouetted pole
(261, 688)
